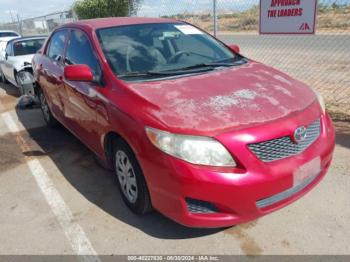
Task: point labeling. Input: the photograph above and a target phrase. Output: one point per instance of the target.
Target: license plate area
(307, 171)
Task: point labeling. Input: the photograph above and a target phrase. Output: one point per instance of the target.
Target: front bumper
(240, 194)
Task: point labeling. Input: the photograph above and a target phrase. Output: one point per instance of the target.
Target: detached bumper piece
(25, 84)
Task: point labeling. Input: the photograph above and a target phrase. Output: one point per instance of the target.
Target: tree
(87, 9)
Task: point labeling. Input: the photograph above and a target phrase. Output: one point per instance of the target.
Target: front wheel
(48, 117)
(132, 184)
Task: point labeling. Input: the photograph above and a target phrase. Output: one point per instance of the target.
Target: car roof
(27, 38)
(116, 21)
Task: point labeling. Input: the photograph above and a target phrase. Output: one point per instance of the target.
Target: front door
(80, 98)
(7, 68)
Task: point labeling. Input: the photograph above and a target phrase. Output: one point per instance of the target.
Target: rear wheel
(132, 184)
(48, 117)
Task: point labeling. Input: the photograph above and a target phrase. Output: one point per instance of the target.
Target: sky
(32, 8)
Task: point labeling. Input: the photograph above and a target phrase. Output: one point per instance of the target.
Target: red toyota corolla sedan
(193, 129)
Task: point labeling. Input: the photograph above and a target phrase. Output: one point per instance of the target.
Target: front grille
(199, 206)
(283, 147)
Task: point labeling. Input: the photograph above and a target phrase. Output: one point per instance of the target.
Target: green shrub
(87, 9)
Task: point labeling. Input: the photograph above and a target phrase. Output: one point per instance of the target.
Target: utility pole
(130, 8)
(19, 25)
(12, 19)
(215, 17)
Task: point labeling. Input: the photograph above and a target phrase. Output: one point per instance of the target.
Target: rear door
(51, 72)
(80, 98)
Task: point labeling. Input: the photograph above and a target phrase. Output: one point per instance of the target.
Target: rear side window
(56, 45)
(27, 47)
(79, 51)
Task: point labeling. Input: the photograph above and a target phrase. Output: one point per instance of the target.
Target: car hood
(224, 99)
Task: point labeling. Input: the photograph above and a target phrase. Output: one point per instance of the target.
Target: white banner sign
(287, 16)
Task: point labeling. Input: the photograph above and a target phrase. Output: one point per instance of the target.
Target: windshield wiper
(147, 73)
(153, 73)
(177, 71)
(201, 65)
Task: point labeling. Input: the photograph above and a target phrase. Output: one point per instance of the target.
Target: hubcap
(126, 176)
(44, 107)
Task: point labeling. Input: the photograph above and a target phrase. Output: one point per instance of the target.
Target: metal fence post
(215, 17)
(46, 25)
(19, 25)
(129, 8)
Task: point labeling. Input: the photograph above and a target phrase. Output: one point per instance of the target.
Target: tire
(132, 184)
(3, 78)
(48, 117)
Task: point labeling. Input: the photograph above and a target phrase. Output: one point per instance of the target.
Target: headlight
(321, 101)
(194, 149)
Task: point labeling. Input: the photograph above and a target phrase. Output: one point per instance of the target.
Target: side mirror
(78, 73)
(235, 48)
(6, 56)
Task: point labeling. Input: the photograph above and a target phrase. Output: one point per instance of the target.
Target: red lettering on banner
(286, 11)
(275, 3)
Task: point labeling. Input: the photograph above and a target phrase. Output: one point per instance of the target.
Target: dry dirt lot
(55, 199)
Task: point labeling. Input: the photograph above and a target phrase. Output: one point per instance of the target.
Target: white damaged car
(15, 62)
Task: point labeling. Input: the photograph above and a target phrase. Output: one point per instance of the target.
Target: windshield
(8, 34)
(27, 47)
(168, 48)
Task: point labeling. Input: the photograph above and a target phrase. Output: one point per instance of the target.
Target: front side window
(27, 47)
(56, 45)
(79, 51)
(164, 48)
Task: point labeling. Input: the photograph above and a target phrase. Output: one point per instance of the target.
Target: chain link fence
(41, 25)
(321, 60)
